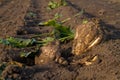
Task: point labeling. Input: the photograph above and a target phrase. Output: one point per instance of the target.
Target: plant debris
(53, 4)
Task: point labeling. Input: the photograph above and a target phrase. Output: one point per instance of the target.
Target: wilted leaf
(23, 54)
(5, 42)
(63, 3)
(18, 42)
(30, 53)
(31, 14)
(85, 21)
(53, 4)
(57, 15)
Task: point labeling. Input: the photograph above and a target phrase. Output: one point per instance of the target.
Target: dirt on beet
(16, 21)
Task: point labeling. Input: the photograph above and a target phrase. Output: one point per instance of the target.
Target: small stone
(101, 12)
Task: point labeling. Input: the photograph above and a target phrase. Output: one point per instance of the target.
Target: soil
(15, 21)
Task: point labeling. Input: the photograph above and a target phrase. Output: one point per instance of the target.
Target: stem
(45, 34)
(67, 38)
(81, 12)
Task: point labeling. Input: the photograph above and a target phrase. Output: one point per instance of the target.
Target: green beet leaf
(60, 32)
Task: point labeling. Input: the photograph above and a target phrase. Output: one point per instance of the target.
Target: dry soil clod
(87, 35)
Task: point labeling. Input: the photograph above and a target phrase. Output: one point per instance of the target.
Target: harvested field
(22, 19)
